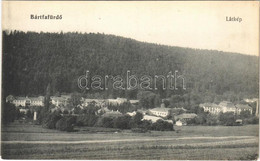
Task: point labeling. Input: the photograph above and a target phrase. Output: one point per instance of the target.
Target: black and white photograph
(130, 80)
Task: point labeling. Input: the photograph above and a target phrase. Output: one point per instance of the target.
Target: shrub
(86, 120)
(51, 120)
(9, 112)
(146, 124)
(64, 124)
(227, 118)
(251, 120)
(122, 122)
(161, 125)
(107, 122)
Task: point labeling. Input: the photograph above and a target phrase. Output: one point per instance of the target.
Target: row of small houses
(226, 106)
(60, 101)
(151, 114)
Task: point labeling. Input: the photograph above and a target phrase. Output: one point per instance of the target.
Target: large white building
(162, 112)
(97, 102)
(25, 101)
(117, 101)
(224, 107)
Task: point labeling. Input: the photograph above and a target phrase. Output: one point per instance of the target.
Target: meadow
(28, 141)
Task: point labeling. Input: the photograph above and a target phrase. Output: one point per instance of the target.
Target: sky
(193, 24)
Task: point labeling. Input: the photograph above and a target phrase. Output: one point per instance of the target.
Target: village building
(97, 102)
(227, 106)
(59, 101)
(211, 108)
(154, 118)
(256, 100)
(37, 101)
(103, 110)
(242, 107)
(178, 123)
(131, 113)
(112, 114)
(185, 117)
(25, 101)
(224, 107)
(117, 101)
(160, 111)
(134, 101)
(251, 100)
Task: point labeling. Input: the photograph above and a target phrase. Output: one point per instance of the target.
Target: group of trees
(227, 119)
(9, 112)
(34, 60)
(134, 122)
(123, 108)
(54, 120)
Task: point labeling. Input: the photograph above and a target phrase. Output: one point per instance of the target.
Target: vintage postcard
(130, 80)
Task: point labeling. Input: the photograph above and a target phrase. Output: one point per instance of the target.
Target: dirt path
(239, 139)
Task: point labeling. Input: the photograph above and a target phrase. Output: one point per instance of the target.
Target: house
(23, 110)
(112, 114)
(242, 107)
(162, 112)
(176, 111)
(103, 110)
(211, 108)
(37, 101)
(60, 101)
(154, 118)
(248, 100)
(224, 106)
(239, 121)
(20, 101)
(251, 101)
(178, 123)
(131, 113)
(97, 102)
(117, 101)
(227, 106)
(134, 101)
(10, 98)
(25, 101)
(185, 117)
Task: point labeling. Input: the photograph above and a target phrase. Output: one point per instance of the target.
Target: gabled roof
(55, 98)
(91, 100)
(112, 114)
(186, 116)
(207, 104)
(40, 98)
(227, 104)
(242, 106)
(21, 98)
(155, 118)
(159, 109)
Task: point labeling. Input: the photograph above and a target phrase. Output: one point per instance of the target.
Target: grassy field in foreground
(192, 142)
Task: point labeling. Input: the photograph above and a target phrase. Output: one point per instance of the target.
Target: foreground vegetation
(196, 142)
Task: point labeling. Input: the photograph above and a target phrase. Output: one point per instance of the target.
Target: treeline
(91, 118)
(226, 119)
(32, 60)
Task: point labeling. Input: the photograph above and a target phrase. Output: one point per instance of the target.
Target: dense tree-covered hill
(33, 60)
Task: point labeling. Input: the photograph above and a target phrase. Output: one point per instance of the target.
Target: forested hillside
(31, 61)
